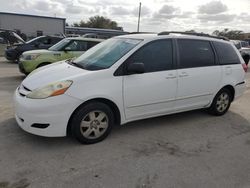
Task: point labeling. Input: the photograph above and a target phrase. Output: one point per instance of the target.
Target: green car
(65, 49)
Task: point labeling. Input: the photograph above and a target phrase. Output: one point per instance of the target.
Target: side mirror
(67, 49)
(136, 68)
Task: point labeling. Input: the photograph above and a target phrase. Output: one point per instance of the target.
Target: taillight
(245, 67)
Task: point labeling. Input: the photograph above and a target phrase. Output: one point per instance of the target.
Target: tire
(221, 102)
(92, 123)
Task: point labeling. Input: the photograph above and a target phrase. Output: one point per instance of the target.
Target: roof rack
(192, 33)
(141, 33)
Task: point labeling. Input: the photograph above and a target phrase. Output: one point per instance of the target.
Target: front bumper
(26, 66)
(54, 112)
(21, 68)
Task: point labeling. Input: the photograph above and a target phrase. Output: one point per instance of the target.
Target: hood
(18, 38)
(52, 73)
(11, 37)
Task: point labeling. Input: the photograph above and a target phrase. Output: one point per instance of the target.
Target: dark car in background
(14, 51)
(244, 49)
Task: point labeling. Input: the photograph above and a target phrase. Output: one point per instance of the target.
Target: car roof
(238, 40)
(85, 39)
(156, 36)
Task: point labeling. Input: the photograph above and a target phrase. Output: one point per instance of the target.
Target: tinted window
(156, 56)
(226, 53)
(82, 45)
(55, 40)
(77, 46)
(60, 45)
(195, 53)
(91, 44)
(46, 40)
(41, 39)
(35, 40)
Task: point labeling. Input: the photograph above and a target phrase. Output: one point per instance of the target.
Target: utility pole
(139, 17)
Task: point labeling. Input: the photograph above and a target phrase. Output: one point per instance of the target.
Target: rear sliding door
(198, 74)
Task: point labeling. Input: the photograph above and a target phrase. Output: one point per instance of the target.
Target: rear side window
(77, 45)
(195, 53)
(91, 44)
(156, 56)
(55, 40)
(47, 41)
(82, 46)
(226, 53)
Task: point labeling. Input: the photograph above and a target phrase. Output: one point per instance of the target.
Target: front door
(153, 92)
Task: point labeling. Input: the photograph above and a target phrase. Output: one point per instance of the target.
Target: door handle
(183, 74)
(228, 70)
(171, 76)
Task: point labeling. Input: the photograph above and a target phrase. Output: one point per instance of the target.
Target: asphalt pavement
(190, 150)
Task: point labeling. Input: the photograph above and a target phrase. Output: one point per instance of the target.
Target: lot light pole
(139, 17)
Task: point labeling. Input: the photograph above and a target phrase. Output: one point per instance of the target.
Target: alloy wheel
(94, 124)
(222, 102)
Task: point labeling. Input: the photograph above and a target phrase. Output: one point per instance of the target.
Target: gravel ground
(190, 149)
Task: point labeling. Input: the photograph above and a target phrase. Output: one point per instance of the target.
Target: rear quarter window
(91, 44)
(226, 53)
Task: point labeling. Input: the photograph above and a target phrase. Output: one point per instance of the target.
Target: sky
(156, 15)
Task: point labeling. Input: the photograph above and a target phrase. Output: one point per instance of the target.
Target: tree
(230, 34)
(98, 22)
(80, 24)
(190, 31)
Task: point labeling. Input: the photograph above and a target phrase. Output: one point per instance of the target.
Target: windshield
(34, 39)
(105, 54)
(58, 46)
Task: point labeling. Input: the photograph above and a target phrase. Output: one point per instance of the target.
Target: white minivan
(128, 78)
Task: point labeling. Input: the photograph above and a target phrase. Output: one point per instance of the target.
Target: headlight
(31, 56)
(50, 90)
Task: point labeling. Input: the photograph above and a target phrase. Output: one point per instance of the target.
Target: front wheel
(221, 102)
(92, 123)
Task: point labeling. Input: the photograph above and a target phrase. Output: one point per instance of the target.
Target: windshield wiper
(71, 62)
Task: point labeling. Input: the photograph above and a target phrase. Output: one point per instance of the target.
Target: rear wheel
(92, 123)
(221, 102)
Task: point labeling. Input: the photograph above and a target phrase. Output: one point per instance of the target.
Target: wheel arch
(108, 102)
(43, 64)
(231, 89)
